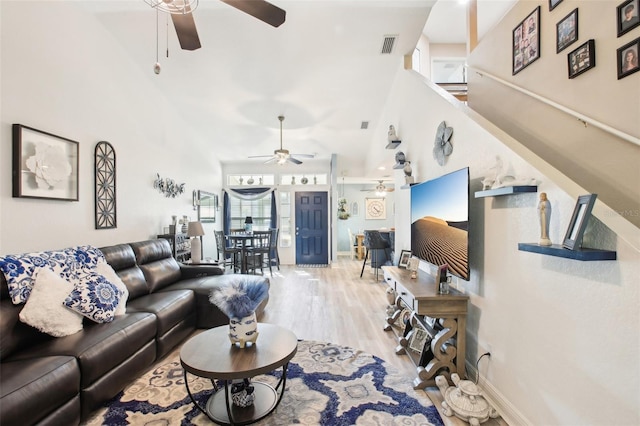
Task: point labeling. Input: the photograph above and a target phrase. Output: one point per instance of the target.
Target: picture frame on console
(418, 340)
(44, 165)
(579, 220)
(405, 256)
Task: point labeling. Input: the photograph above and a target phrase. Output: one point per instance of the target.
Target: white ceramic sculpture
(544, 214)
(464, 400)
(243, 330)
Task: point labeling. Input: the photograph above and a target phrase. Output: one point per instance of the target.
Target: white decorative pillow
(44, 309)
(104, 269)
(95, 297)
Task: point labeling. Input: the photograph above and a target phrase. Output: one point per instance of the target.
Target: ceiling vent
(364, 125)
(388, 43)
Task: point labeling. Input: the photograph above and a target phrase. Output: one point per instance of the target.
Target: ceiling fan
(380, 189)
(182, 16)
(281, 155)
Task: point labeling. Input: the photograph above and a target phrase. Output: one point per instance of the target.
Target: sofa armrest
(200, 270)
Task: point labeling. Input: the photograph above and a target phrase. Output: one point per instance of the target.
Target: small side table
(211, 355)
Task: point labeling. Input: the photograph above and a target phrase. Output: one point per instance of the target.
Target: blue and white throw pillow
(95, 297)
(71, 263)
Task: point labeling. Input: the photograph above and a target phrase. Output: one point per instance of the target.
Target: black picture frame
(582, 58)
(579, 220)
(553, 4)
(526, 42)
(623, 52)
(405, 256)
(44, 165)
(627, 16)
(567, 31)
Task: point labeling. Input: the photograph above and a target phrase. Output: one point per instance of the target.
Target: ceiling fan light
(176, 7)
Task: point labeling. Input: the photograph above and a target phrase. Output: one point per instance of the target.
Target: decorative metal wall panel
(105, 195)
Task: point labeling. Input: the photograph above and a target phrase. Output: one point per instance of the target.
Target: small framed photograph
(553, 4)
(627, 14)
(567, 31)
(354, 209)
(628, 58)
(418, 339)
(578, 223)
(582, 58)
(526, 41)
(442, 273)
(405, 256)
(44, 165)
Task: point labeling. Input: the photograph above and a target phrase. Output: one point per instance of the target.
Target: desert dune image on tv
(440, 222)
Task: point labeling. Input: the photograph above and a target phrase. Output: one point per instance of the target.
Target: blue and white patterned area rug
(327, 384)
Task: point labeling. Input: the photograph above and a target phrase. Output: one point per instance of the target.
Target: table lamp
(248, 224)
(195, 230)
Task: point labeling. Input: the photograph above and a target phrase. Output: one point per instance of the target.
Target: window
(448, 70)
(415, 60)
(259, 210)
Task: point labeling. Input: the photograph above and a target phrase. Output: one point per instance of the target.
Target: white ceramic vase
(243, 330)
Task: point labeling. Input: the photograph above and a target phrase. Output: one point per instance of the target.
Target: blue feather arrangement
(241, 297)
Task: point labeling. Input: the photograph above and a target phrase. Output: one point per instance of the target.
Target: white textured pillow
(44, 309)
(104, 269)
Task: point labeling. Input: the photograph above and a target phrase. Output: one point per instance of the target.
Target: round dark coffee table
(211, 355)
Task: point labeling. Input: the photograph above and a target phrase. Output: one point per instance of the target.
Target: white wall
(564, 335)
(71, 79)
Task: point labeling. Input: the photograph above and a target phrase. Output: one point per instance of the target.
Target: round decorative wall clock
(375, 208)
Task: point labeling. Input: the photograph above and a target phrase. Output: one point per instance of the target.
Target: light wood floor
(334, 304)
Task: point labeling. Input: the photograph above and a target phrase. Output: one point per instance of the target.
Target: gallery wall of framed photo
(527, 47)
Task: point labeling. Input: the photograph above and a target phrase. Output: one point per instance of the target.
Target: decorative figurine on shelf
(408, 179)
(391, 135)
(544, 214)
(400, 158)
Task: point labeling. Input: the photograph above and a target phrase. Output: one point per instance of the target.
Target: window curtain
(248, 194)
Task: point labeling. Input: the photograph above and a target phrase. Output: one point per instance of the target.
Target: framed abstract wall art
(526, 41)
(44, 165)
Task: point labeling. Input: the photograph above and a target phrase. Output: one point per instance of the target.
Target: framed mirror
(207, 204)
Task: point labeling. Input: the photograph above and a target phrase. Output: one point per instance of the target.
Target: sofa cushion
(95, 297)
(104, 269)
(123, 260)
(44, 309)
(169, 307)
(99, 347)
(34, 388)
(20, 270)
(155, 260)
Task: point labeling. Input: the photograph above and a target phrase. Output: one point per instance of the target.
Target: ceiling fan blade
(294, 160)
(260, 156)
(186, 31)
(305, 155)
(263, 10)
(271, 160)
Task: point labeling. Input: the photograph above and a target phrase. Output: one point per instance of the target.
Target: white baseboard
(507, 411)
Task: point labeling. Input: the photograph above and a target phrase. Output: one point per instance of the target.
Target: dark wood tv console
(440, 319)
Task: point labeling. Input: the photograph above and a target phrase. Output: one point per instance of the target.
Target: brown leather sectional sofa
(53, 381)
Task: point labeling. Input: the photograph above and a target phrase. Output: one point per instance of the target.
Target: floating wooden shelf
(586, 254)
(393, 144)
(507, 190)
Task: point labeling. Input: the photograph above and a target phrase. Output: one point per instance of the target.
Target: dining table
(243, 241)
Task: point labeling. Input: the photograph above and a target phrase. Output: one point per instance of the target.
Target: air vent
(388, 43)
(364, 125)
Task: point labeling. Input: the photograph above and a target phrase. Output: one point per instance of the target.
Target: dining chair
(228, 256)
(373, 241)
(273, 244)
(353, 245)
(258, 255)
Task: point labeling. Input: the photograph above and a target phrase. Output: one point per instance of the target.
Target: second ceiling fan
(182, 16)
(282, 156)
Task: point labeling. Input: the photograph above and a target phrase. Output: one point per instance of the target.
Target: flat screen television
(440, 222)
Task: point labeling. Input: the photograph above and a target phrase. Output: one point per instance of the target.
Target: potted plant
(343, 214)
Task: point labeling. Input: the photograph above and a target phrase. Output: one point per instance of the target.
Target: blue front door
(312, 224)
